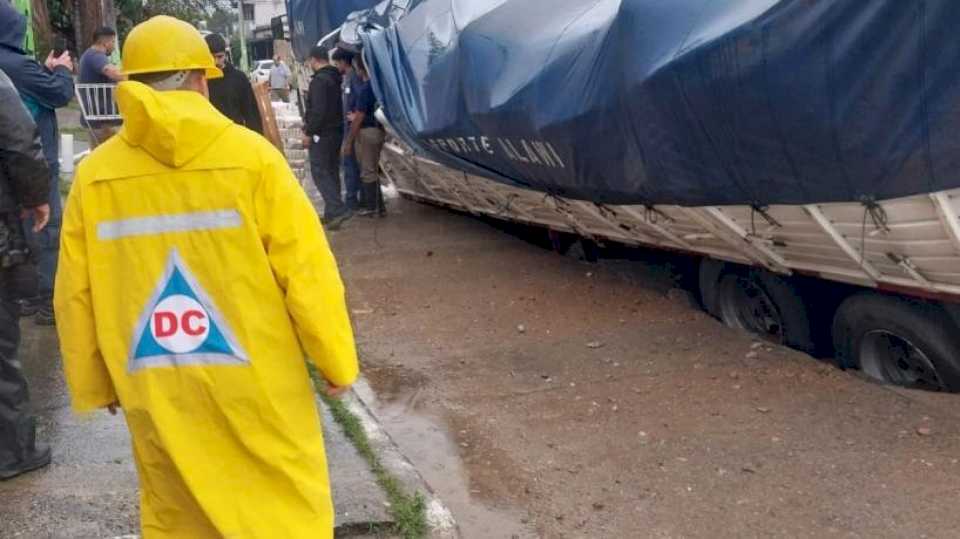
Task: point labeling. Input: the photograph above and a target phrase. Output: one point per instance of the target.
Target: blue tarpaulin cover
(692, 102)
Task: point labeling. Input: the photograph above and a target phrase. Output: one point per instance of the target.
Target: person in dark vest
(232, 95)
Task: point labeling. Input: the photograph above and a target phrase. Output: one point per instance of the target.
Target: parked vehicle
(886, 290)
(261, 71)
(808, 156)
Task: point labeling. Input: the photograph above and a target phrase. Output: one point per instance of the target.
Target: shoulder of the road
(440, 520)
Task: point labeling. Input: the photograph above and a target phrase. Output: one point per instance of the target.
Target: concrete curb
(359, 503)
(439, 518)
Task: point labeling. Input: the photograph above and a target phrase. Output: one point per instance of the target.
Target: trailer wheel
(900, 342)
(766, 305)
(708, 284)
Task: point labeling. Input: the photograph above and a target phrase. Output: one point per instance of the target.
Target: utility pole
(244, 62)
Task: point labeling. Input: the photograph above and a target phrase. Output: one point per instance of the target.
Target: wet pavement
(541, 396)
(435, 454)
(90, 489)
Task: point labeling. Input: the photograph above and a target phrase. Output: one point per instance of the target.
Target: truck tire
(710, 271)
(898, 341)
(767, 305)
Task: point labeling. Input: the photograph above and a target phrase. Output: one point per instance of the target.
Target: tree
(76, 20)
(222, 21)
(43, 29)
(73, 20)
(87, 17)
(52, 20)
(132, 12)
(187, 10)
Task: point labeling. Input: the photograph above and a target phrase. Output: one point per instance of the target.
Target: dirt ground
(541, 396)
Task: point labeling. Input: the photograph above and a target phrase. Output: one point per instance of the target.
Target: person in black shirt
(232, 95)
(323, 134)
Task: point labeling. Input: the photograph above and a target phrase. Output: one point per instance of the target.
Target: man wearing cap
(194, 278)
(232, 93)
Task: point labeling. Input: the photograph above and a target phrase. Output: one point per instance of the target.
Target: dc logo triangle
(180, 325)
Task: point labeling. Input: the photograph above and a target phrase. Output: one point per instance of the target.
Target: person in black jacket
(43, 88)
(232, 95)
(323, 135)
(24, 183)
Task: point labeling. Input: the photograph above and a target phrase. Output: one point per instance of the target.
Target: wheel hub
(892, 358)
(753, 310)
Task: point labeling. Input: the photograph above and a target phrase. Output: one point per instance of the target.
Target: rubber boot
(371, 198)
(19, 452)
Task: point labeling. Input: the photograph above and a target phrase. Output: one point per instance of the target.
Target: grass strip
(408, 511)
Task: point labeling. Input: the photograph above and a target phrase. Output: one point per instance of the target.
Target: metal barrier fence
(98, 107)
(97, 102)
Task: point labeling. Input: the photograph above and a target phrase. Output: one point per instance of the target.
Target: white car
(261, 71)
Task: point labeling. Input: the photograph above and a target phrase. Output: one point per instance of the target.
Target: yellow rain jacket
(193, 275)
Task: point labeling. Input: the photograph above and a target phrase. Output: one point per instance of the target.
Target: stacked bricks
(290, 125)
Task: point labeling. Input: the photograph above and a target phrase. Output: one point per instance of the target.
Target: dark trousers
(351, 176)
(46, 243)
(325, 169)
(17, 426)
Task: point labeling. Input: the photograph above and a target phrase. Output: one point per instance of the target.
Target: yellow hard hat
(165, 43)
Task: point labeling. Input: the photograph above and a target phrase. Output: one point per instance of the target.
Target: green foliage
(133, 12)
(61, 19)
(221, 21)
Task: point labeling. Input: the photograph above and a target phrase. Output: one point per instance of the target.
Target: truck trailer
(806, 151)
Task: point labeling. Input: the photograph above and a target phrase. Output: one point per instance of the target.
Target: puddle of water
(432, 450)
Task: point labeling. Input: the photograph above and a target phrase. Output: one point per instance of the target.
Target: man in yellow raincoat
(193, 275)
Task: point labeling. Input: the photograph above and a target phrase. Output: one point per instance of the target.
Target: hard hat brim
(212, 72)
